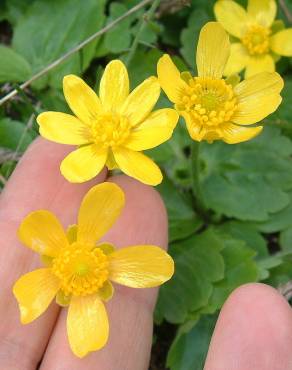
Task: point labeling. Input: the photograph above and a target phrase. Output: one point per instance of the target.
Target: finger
(253, 332)
(143, 221)
(36, 183)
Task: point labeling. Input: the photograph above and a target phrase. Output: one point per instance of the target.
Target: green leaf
(13, 67)
(119, 38)
(189, 350)
(190, 35)
(249, 181)
(182, 220)
(13, 135)
(198, 265)
(49, 29)
(286, 238)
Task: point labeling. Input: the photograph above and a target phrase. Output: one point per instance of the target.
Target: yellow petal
(114, 86)
(62, 128)
(213, 50)
(233, 134)
(232, 16)
(84, 163)
(106, 292)
(142, 266)
(262, 11)
(82, 100)
(138, 165)
(155, 130)
(99, 209)
(281, 42)
(196, 131)
(141, 101)
(170, 79)
(87, 325)
(42, 232)
(255, 65)
(258, 96)
(237, 60)
(34, 292)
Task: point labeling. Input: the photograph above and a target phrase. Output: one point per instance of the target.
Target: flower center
(209, 101)
(110, 130)
(256, 40)
(80, 270)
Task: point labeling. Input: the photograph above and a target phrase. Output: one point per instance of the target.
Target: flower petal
(213, 50)
(114, 86)
(170, 79)
(62, 128)
(281, 42)
(138, 165)
(34, 292)
(84, 163)
(155, 130)
(258, 96)
(87, 325)
(255, 65)
(42, 232)
(233, 134)
(99, 209)
(237, 60)
(232, 16)
(82, 100)
(262, 11)
(195, 130)
(141, 101)
(142, 266)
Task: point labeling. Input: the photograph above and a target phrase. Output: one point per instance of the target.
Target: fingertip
(144, 216)
(253, 330)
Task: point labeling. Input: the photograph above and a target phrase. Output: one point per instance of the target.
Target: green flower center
(256, 40)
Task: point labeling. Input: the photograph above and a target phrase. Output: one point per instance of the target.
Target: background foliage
(247, 233)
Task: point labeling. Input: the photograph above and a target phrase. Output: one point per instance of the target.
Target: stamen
(256, 40)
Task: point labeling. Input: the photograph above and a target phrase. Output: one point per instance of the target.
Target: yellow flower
(78, 270)
(212, 108)
(111, 129)
(258, 45)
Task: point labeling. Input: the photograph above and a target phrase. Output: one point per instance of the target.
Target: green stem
(195, 174)
(145, 19)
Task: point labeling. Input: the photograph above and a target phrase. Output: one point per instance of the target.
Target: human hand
(253, 330)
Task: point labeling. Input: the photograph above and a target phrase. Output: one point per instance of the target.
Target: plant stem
(146, 18)
(74, 50)
(195, 175)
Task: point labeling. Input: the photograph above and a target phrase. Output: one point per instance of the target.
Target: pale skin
(253, 332)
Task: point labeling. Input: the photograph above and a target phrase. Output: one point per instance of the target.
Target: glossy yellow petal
(262, 11)
(155, 130)
(213, 50)
(99, 209)
(106, 292)
(62, 128)
(142, 266)
(87, 325)
(233, 134)
(196, 131)
(255, 65)
(42, 232)
(170, 79)
(141, 101)
(34, 292)
(232, 16)
(138, 165)
(258, 96)
(82, 100)
(84, 163)
(114, 86)
(281, 42)
(237, 60)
